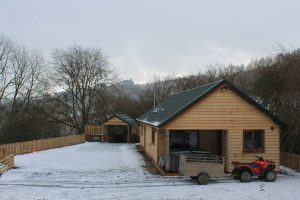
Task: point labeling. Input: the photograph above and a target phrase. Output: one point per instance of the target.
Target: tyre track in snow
(180, 181)
(124, 184)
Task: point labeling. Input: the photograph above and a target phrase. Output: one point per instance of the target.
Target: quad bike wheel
(270, 176)
(203, 179)
(235, 174)
(245, 177)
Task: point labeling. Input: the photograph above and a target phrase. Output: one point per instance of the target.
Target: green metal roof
(175, 104)
(126, 118)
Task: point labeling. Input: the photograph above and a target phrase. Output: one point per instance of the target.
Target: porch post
(167, 150)
(102, 132)
(140, 134)
(128, 138)
(145, 136)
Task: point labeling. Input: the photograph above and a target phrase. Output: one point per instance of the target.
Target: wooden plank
(114, 121)
(93, 129)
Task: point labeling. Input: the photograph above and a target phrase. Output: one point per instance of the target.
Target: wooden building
(120, 128)
(216, 118)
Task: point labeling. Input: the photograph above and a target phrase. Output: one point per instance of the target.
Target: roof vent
(156, 108)
(224, 89)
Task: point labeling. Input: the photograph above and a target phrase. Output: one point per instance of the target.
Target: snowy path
(115, 171)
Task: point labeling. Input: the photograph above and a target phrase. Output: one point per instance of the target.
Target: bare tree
(27, 69)
(80, 75)
(6, 51)
(277, 87)
(21, 83)
(163, 86)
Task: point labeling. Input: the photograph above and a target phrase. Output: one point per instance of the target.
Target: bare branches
(81, 74)
(6, 52)
(20, 73)
(163, 86)
(27, 68)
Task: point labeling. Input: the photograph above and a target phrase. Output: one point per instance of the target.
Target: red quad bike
(264, 169)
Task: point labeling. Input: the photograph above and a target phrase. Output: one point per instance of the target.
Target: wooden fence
(93, 133)
(290, 160)
(43, 144)
(93, 130)
(6, 160)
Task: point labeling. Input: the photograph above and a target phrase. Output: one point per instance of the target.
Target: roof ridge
(219, 81)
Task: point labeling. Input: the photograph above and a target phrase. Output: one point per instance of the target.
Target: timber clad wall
(227, 111)
(114, 121)
(93, 129)
(150, 148)
(161, 149)
(93, 132)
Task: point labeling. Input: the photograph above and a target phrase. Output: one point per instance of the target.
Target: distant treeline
(42, 98)
(274, 82)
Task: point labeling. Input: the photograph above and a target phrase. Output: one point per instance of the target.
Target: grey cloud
(146, 37)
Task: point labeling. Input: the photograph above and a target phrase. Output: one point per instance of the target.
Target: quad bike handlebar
(260, 158)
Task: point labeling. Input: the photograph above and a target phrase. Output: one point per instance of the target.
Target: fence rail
(43, 144)
(290, 160)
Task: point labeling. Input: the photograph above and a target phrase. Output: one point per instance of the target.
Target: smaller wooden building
(120, 128)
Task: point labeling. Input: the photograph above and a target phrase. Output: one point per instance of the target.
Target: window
(254, 141)
(184, 140)
(144, 130)
(153, 136)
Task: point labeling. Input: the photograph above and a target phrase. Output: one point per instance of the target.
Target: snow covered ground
(116, 171)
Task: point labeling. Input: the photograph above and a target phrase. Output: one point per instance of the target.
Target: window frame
(153, 137)
(142, 130)
(253, 132)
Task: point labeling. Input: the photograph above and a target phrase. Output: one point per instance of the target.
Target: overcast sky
(141, 38)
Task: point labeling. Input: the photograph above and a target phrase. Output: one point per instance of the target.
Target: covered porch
(200, 142)
(116, 131)
(119, 128)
